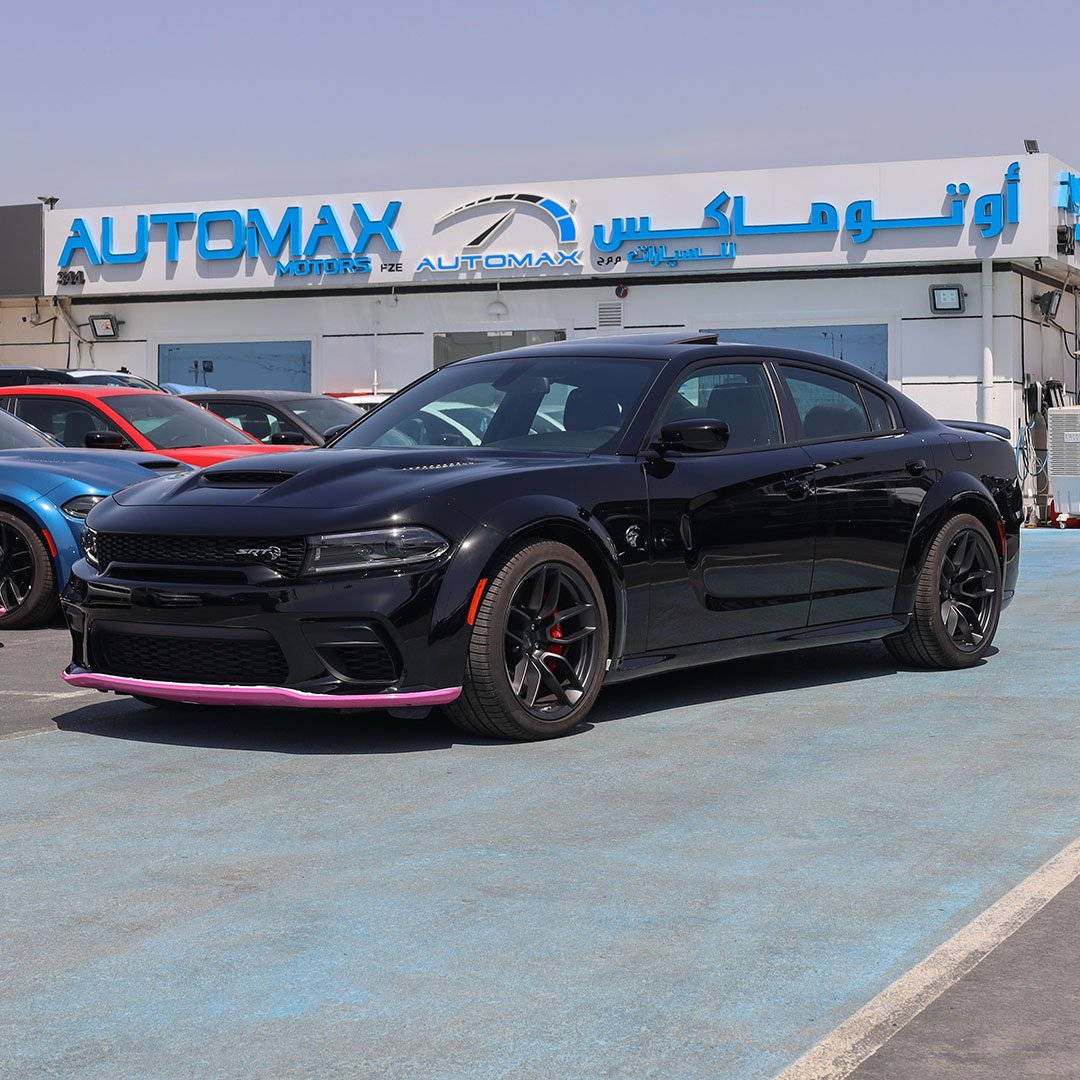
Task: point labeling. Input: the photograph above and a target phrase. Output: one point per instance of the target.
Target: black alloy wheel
(957, 599)
(28, 595)
(539, 647)
(966, 589)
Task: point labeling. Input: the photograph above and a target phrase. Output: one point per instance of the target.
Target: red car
(125, 418)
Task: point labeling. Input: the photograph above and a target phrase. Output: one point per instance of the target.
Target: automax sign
(822, 216)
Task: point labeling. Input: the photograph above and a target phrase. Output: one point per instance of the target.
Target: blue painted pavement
(701, 884)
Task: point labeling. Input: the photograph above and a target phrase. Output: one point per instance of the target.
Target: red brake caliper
(556, 632)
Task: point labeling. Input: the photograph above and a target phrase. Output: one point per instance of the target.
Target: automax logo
(229, 234)
(475, 257)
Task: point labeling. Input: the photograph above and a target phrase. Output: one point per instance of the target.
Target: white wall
(936, 360)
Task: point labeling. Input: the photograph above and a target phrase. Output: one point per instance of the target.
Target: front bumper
(268, 696)
(355, 642)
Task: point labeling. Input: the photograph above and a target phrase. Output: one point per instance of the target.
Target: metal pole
(986, 387)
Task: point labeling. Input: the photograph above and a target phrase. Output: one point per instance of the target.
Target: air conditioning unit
(1063, 452)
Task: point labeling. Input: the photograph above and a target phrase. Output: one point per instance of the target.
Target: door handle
(916, 466)
(797, 489)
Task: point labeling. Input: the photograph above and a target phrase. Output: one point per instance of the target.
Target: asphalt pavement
(703, 882)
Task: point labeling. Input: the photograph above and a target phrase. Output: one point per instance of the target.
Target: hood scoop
(435, 465)
(244, 478)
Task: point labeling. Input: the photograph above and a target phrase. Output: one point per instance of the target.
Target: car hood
(105, 470)
(337, 479)
(201, 456)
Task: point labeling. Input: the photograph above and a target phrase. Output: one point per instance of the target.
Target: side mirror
(105, 440)
(288, 438)
(333, 432)
(694, 436)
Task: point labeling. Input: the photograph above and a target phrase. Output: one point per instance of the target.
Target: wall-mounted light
(946, 299)
(105, 327)
(1066, 240)
(497, 309)
(1048, 302)
(1031, 146)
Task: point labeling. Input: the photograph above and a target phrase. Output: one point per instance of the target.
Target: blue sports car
(46, 491)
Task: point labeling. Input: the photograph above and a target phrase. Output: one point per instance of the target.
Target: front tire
(539, 648)
(28, 594)
(957, 600)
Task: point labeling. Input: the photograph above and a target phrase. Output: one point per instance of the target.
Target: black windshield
(566, 404)
(323, 412)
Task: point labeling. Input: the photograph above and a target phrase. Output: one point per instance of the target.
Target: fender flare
(505, 528)
(954, 493)
(45, 516)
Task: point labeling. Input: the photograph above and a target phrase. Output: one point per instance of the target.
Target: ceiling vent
(609, 314)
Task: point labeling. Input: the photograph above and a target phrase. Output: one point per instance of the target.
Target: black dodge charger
(614, 508)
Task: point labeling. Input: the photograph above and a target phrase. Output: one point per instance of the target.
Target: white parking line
(864, 1033)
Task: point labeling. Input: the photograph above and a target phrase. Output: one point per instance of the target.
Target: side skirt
(638, 665)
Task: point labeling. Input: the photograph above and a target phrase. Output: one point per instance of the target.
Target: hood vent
(245, 478)
(435, 465)
(165, 465)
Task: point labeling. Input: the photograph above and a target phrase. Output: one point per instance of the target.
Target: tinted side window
(881, 417)
(829, 406)
(738, 394)
(64, 419)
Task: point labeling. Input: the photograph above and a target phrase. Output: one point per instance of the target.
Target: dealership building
(950, 278)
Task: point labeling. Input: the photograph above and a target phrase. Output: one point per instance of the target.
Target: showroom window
(463, 344)
(865, 345)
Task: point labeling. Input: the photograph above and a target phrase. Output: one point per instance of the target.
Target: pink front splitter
(269, 696)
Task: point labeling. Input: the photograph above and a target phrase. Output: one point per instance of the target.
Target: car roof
(76, 390)
(682, 348)
(253, 395)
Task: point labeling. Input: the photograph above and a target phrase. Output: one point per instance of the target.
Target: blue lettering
(202, 234)
(571, 257)
(495, 262)
(80, 240)
(383, 228)
(142, 241)
(326, 227)
(519, 261)
(470, 261)
(455, 265)
(289, 228)
(423, 264)
(544, 259)
(172, 223)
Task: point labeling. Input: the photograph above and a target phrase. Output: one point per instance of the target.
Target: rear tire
(27, 578)
(539, 648)
(957, 600)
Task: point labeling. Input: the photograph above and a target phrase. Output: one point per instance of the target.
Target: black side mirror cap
(698, 436)
(105, 440)
(332, 433)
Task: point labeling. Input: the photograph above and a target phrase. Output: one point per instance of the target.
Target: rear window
(881, 417)
(829, 407)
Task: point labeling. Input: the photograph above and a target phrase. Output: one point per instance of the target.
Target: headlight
(89, 546)
(81, 505)
(369, 550)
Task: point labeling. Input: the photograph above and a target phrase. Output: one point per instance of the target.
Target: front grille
(367, 663)
(253, 660)
(285, 556)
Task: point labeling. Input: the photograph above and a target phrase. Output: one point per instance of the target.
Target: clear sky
(118, 102)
